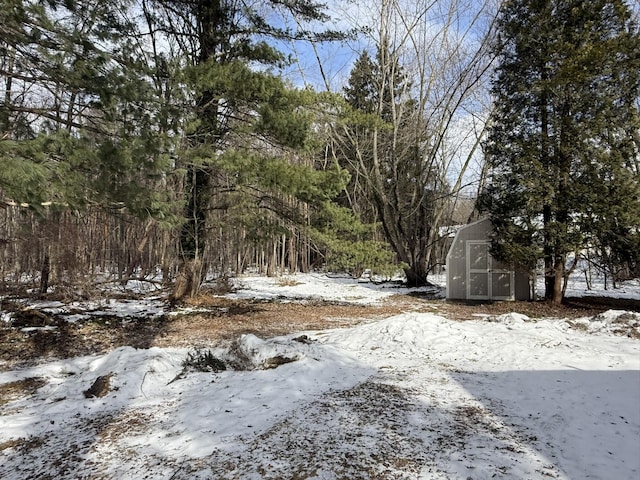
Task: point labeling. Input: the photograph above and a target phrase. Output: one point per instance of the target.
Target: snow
(315, 287)
(413, 396)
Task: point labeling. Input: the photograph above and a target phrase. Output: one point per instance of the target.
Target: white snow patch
(413, 396)
(314, 287)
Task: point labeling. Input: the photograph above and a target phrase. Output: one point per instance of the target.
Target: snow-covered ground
(414, 396)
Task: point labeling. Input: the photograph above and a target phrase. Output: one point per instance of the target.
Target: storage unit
(473, 274)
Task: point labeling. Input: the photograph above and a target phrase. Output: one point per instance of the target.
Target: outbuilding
(473, 274)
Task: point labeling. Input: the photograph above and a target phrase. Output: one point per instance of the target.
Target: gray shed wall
(457, 275)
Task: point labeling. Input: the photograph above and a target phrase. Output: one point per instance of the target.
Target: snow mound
(255, 352)
(407, 333)
(509, 318)
(611, 321)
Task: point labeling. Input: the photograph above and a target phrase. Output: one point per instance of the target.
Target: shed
(473, 274)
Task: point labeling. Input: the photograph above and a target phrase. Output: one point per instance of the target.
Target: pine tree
(248, 141)
(563, 143)
(385, 149)
(87, 136)
(79, 127)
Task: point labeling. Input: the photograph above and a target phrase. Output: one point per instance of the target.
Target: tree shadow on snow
(587, 423)
(514, 424)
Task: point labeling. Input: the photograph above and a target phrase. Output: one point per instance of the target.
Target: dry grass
(287, 282)
(218, 319)
(21, 388)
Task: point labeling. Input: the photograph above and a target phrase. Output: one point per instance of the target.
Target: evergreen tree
(384, 146)
(563, 145)
(77, 121)
(80, 121)
(248, 141)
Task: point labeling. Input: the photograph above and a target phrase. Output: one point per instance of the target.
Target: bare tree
(429, 92)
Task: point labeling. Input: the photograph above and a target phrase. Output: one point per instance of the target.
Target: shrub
(203, 361)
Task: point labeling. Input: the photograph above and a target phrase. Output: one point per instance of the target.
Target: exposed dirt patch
(603, 303)
(12, 390)
(20, 346)
(336, 421)
(571, 308)
(217, 319)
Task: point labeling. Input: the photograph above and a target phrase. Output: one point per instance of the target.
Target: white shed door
(487, 279)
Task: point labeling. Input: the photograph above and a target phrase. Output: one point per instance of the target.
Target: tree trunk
(44, 273)
(558, 276)
(211, 16)
(188, 280)
(136, 260)
(416, 275)
(549, 265)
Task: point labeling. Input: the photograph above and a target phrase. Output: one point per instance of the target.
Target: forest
(224, 227)
(176, 141)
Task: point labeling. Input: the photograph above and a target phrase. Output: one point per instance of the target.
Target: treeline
(140, 137)
(151, 136)
(77, 251)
